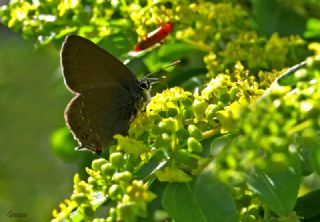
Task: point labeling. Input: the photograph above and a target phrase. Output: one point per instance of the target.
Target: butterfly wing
(94, 118)
(105, 93)
(86, 66)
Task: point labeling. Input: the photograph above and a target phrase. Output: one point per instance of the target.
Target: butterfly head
(144, 84)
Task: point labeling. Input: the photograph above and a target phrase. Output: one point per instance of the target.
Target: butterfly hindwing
(94, 116)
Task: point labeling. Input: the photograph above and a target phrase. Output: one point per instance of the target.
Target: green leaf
(173, 174)
(158, 160)
(215, 198)
(178, 199)
(277, 187)
(220, 143)
(288, 78)
(203, 200)
(306, 161)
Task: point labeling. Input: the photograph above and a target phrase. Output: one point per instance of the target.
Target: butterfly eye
(144, 84)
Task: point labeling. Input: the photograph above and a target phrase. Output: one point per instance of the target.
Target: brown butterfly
(107, 93)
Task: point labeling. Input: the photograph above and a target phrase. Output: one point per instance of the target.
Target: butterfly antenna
(162, 69)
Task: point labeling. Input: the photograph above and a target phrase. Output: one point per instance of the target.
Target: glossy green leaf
(288, 78)
(157, 161)
(209, 199)
(277, 188)
(220, 143)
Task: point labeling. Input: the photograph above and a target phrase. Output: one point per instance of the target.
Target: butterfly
(107, 98)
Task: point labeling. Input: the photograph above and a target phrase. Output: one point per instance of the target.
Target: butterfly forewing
(86, 66)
